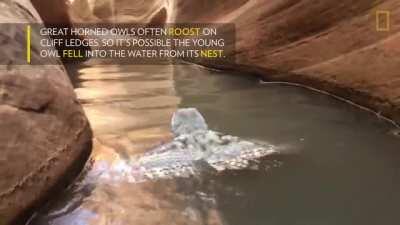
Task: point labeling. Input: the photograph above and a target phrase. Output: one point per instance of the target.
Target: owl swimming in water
(195, 148)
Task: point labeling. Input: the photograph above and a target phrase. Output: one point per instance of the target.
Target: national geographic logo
(382, 18)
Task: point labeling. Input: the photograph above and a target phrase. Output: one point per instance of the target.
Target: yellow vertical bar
(28, 44)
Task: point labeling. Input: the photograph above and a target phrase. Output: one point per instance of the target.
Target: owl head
(186, 121)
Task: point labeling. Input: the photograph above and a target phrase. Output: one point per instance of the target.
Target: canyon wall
(121, 11)
(45, 138)
(331, 45)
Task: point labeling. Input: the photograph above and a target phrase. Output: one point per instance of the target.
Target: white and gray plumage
(195, 148)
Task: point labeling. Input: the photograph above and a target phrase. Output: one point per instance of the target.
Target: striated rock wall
(45, 138)
(332, 45)
(121, 11)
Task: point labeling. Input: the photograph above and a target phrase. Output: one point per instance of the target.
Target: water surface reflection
(341, 165)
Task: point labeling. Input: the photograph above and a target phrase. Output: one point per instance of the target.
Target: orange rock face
(350, 48)
(341, 46)
(45, 138)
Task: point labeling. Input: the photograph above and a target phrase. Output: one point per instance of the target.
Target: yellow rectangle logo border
(386, 15)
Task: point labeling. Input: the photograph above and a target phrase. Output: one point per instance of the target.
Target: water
(340, 165)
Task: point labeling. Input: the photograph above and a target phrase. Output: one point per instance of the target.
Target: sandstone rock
(103, 9)
(51, 12)
(45, 138)
(121, 11)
